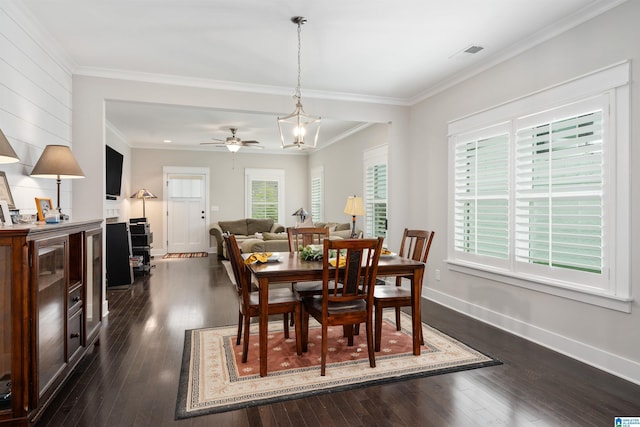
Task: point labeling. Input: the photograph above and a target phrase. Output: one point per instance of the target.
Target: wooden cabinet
(50, 311)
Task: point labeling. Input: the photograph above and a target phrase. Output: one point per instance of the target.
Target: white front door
(186, 211)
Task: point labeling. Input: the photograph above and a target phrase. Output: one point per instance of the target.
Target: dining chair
(281, 300)
(415, 245)
(355, 266)
(298, 239)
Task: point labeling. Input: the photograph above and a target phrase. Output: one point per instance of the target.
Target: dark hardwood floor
(131, 378)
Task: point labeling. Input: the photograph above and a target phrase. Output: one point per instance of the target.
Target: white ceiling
(377, 50)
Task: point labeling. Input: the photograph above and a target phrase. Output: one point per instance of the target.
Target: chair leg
(285, 318)
(372, 354)
(298, 324)
(245, 344)
(240, 319)
(323, 359)
(378, 327)
(398, 318)
(349, 330)
(304, 328)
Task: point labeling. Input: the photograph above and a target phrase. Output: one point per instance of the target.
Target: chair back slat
(304, 236)
(358, 274)
(416, 244)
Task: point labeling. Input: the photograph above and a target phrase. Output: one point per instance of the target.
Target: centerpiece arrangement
(311, 252)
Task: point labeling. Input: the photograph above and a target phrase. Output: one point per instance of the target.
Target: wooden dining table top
(291, 264)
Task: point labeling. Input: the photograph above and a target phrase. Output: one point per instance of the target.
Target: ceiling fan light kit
(233, 143)
(299, 127)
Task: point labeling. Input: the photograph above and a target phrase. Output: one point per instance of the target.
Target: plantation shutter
(264, 193)
(482, 196)
(316, 197)
(559, 193)
(264, 199)
(375, 192)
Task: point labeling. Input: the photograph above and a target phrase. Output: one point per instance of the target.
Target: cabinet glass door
(5, 327)
(94, 282)
(51, 311)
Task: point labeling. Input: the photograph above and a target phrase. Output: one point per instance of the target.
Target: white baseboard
(596, 357)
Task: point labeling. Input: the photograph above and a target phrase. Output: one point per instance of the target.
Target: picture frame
(5, 214)
(43, 205)
(5, 191)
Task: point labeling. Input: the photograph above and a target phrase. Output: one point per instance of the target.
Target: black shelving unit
(141, 240)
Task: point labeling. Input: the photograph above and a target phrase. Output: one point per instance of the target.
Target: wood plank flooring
(131, 378)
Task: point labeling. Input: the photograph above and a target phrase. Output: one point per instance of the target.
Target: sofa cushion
(258, 225)
(235, 227)
(275, 236)
(345, 234)
(344, 226)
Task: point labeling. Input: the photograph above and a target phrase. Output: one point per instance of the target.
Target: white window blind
(559, 193)
(317, 182)
(265, 190)
(375, 192)
(482, 193)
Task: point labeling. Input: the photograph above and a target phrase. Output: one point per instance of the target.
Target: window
(264, 193)
(375, 192)
(536, 194)
(317, 194)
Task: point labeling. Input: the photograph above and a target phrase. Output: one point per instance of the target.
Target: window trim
(613, 80)
(264, 175)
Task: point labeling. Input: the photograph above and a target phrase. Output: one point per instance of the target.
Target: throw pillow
(274, 236)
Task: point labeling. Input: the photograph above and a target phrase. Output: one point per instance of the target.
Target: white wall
(602, 337)
(227, 185)
(35, 108)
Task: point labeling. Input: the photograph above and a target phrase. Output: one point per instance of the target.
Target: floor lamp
(57, 162)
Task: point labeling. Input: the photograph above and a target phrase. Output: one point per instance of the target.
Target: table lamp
(57, 162)
(301, 213)
(143, 194)
(7, 155)
(354, 207)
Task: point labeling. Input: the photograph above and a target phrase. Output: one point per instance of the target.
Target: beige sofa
(243, 229)
(263, 235)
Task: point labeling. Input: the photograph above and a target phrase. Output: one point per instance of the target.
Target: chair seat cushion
(276, 296)
(314, 303)
(311, 287)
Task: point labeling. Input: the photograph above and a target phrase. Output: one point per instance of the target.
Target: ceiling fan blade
(251, 142)
(213, 143)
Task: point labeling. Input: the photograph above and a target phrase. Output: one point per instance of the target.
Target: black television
(114, 173)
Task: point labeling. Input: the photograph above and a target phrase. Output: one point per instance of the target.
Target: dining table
(282, 267)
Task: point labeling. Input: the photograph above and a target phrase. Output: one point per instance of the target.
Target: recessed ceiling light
(167, 141)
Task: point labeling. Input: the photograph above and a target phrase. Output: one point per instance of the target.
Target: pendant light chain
(298, 94)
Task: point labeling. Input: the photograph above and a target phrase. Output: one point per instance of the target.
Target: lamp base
(353, 228)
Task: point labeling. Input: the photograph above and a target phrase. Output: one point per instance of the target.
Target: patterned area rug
(213, 378)
(186, 255)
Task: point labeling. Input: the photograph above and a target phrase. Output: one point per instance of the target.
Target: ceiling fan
(233, 143)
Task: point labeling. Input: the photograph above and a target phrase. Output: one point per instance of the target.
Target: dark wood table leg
(264, 323)
(415, 309)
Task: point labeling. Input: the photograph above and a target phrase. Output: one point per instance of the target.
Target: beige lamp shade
(354, 206)
(7, 155)
(57, 162)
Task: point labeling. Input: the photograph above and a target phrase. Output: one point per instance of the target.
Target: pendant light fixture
(299, 129)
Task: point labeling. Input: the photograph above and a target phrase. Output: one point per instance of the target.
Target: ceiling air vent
(473, 49)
